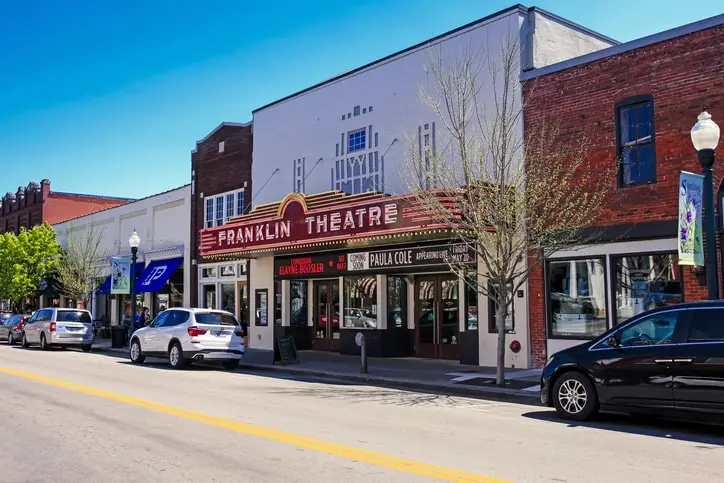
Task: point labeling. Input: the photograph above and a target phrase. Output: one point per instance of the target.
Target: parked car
(186, 335)
(11, 328)
(58, 327)
(360, 318)
(667, 361)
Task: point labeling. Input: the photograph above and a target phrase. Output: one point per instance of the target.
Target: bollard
(363, 352)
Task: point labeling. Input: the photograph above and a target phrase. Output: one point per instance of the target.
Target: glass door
(438, 317)
(326, 315)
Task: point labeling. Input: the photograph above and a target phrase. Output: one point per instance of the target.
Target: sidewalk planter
(119, 335)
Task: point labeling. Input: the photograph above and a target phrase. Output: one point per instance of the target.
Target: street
(74, 417)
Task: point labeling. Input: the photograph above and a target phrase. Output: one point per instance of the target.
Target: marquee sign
(316, 219)
(412, 259)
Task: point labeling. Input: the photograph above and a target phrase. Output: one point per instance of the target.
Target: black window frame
(619, 107)
(547, 299)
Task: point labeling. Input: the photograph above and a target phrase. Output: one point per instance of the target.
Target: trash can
(118, 337)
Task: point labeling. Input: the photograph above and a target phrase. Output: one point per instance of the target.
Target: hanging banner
(691, 244)
(121, 276)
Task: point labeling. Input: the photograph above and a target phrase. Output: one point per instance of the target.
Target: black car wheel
(574, 397)
(43, 343)
(135, 352)
(25, 342)
(11, 339)
(176, 356)
(231, 364)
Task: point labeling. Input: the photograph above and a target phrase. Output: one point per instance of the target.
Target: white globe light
(705, 133)
(134, 241)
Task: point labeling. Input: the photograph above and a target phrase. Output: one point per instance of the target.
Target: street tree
(514, 200)
(79, 266)
(25, 260)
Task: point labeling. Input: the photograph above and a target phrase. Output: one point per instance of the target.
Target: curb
(490, 393)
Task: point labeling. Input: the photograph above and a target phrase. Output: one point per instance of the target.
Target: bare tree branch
(81, 265)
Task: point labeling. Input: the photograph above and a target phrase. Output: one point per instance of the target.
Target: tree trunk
(500, 315)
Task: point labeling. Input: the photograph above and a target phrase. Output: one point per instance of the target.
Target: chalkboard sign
(285, 351)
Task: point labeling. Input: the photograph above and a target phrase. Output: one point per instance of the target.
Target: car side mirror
(613, 341)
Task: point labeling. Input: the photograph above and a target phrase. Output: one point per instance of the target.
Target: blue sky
(110, 97)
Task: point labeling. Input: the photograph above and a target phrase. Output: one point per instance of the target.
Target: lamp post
(705, 137)
(134, 241)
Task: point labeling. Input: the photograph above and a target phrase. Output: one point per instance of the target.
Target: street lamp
(705, 137)
(134, 241)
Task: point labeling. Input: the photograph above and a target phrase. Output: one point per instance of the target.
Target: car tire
(43, 343)
(135, 352)
(11, 339)
(232, 364)
(574, 396)
(25, 342)
(176, 356)
(87, 348)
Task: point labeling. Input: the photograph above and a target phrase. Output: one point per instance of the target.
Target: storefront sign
(691, 245)
(374, 261)
(316, 219)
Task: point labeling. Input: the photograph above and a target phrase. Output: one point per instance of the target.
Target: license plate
(220, 333)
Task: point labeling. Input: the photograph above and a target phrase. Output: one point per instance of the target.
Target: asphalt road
(66, 416)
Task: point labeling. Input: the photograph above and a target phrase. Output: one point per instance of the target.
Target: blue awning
(105, 288)
(157, 274)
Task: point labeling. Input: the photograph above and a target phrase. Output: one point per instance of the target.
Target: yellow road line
(349, 452)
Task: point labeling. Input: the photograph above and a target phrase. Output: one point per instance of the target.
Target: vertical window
(493, 311)
(396, 302)
(360, 302)
(277, 302)
(356, 140)
(471, 301)
(219, 210)
(239, 203)
(230, 206)
(577, 298)
(644, 282)
(299, 294)
(209, 212)
(635, 141)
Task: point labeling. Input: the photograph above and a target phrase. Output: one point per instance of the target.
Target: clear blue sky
(110, 97)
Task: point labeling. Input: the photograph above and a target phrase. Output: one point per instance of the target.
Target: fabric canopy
(157, 274)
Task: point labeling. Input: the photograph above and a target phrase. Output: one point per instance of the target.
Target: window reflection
(360, 302)
(645, 282)
(577, 297)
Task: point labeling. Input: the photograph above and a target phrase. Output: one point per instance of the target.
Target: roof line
(223, 124)
(520, 8)
(85, 195)
(680, 31)
(127, 204)
(574, 25)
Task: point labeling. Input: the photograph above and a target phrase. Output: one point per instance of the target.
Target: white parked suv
(185, 335)
(59, 327)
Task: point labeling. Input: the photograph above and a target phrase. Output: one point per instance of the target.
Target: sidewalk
(439, 376)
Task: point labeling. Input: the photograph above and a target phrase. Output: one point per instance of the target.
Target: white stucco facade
(162, 222)
(352, 133)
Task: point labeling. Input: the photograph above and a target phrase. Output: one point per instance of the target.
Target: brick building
(639, 101)
(220, 190)
(37, 203)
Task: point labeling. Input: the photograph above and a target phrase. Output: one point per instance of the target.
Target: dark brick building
(37, 203)
(639, 100)
(220, 190)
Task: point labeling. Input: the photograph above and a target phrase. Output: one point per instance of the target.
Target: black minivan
(668, 361)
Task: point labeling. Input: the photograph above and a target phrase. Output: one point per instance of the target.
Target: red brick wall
(683, 75)
(61, 207)
(214, 173)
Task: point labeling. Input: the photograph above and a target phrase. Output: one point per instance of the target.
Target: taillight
(19, 327)
(195, 331)
(239, 332)
(52, 326)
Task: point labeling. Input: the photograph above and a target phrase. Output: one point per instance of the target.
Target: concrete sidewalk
(433, 375)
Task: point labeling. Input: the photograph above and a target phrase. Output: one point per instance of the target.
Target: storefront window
(645, 282)
(471, 299)
(227, 270)
(209, 272)
(228, 297)
(360, 302)
(396, 302)
(577, 297)
(278, 302)
(493, 311)
(209, 296)
(243, 304)
(299, 313)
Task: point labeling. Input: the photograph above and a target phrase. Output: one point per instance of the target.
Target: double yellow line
(349, 452)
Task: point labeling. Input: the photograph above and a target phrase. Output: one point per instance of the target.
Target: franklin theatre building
(324, 267)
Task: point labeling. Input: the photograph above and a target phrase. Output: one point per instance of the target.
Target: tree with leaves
(25, 260)
(513, 199)
(80, 265)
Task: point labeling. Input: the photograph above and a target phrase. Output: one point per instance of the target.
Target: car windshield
(73, 316)
(216, 318)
